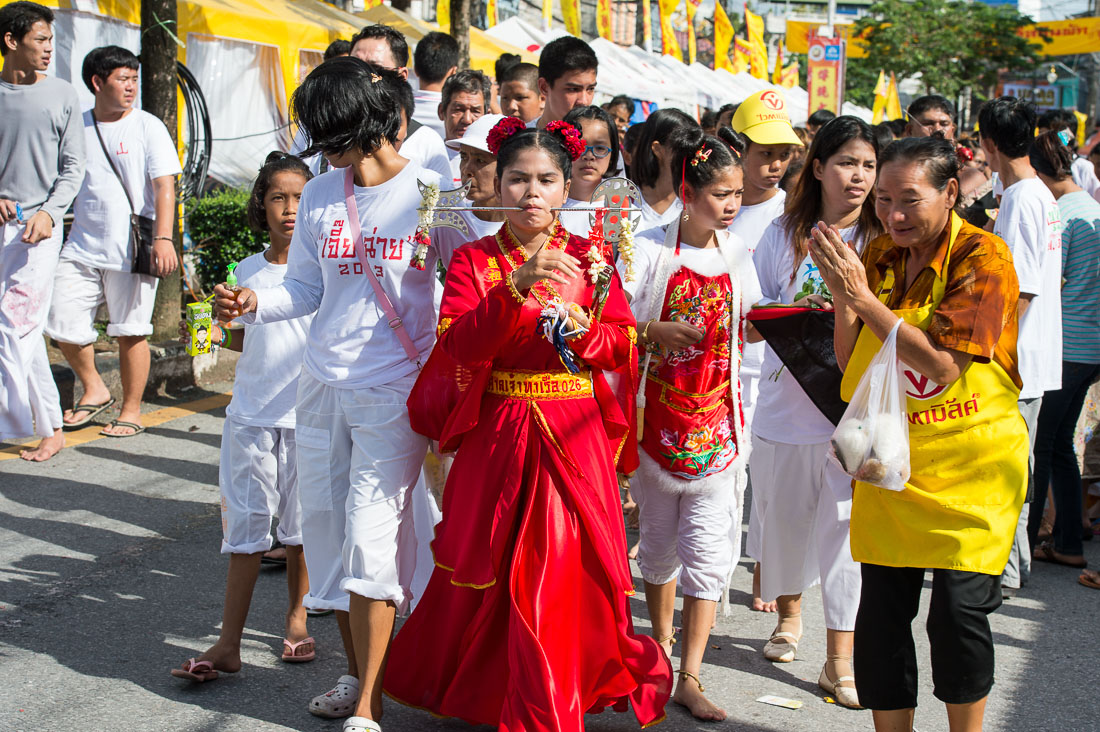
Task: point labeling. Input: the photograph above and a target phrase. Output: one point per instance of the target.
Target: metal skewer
(518, 208)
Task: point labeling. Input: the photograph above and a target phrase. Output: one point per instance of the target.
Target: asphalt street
(110, 574)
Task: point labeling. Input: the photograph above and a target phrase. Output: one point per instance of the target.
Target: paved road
(110, 574)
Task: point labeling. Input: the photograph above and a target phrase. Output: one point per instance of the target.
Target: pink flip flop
(290, 654)
(197, 671)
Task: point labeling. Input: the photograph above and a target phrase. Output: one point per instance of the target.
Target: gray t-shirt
(41, 146)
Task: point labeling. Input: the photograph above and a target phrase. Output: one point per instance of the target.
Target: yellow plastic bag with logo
(871, 442)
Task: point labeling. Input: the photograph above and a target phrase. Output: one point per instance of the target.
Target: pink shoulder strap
(392, 317)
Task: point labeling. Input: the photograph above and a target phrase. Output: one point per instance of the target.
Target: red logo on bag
(919, 386)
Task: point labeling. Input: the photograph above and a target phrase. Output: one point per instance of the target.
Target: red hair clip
(964, 153)
(702, 155)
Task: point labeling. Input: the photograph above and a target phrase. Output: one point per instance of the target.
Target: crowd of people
(573, 383)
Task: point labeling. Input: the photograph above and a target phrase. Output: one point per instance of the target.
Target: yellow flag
(603, 18)
(893, 101)
(547, 13)
(790, 76)
(443, 12)
(754, 26)
(881, 90)
(777, 72)
(758, 60)
(490, 13)
(1082, 124)
(742, 53)
(669, 45)
(692, 6)
(571, 16)
(647, 22)
(723, 36)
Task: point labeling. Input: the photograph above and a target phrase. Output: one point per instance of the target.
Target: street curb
(170, 370)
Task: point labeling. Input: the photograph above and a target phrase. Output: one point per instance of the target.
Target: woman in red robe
(526, 622)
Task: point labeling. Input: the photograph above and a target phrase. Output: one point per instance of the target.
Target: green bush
(220, 233)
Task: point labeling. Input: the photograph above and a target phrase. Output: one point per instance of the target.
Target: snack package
(871, 443)
(200, 322)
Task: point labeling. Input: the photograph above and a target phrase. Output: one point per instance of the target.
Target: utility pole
(158, 98)
(460, 29)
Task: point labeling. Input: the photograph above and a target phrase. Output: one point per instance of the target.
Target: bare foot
(633, 553)
(46, 449)
(296, 625)
(758, 603)
(667, 643)
(689, 694)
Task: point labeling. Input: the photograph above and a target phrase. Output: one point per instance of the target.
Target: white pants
(358, 460)
(258, 481)
(695, 536)
(29, 402)
(805, 505)
(79, 291)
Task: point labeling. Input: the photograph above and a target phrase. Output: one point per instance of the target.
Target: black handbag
(141, 227)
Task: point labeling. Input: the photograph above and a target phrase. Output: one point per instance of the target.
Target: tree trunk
(460, 29)
(158, 98)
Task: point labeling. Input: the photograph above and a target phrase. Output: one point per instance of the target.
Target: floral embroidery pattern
(700, 452)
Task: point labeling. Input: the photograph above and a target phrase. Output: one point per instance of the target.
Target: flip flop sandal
(319, 613)
(1090, 579)
(197, 671)
(290, 651)
(338, 702)
(1045, 553)
(361, 724)
(264, 559)
(92, 410)
(137, 428)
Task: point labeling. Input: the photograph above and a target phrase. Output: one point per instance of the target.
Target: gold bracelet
(645, 331)
(165, 238)
(512, 288)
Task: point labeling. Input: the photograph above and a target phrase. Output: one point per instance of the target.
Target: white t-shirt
(425, 148)
(426, 111)
(1084, 175)
(350, 342)
(141, 150)
(1031, 225)
(783, 411)
(576, 222)
(456, 172)
(653, 220)
(265, 388)
(709, 262)
(447, 240)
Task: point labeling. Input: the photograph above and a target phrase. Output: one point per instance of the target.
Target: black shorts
(885, 658)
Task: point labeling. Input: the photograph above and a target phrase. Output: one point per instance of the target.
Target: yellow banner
(798, 38)
(754, 26)
(742, 53)
(571, 16)
(893, 101)
(490, 13)
(758, 60)
(790, 76)
(669, 45)
(723, 37)
(777, 71)
(647, 21)
(547, 13)
(443, 12)
(880, 98)
(603, 18)
(692, 6)
(1067, 37)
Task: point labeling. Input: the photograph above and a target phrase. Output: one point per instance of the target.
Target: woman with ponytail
(696, 284)
(526, 622)
(804, 501)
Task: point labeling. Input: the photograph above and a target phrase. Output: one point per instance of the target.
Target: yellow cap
(763, 119)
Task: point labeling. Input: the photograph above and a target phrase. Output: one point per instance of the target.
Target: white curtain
(243, 86)
(77, 33)
(308, 61)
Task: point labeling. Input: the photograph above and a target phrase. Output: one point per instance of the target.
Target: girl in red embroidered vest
(698, 282)
(526, 622)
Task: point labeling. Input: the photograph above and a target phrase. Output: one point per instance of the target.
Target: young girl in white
(804, 502)
(350, 262)
(258, 475)
(696, 284)
(600, 159)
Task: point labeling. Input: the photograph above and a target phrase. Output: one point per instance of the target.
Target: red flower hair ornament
(502, 131)
(964, 154)
(574, 143)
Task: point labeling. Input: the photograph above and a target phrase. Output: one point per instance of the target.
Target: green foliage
(219, 228)
(860, 77)
(952, 44)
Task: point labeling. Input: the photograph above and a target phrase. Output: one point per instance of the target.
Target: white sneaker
(339, 702)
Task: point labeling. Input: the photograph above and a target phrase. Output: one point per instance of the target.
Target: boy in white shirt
(1031, 225)
(132, 168)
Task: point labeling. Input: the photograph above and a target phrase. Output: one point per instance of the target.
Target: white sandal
(361, 724)
(338, 702)
(846, 696)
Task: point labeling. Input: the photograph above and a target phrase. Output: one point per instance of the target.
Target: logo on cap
(771, 100)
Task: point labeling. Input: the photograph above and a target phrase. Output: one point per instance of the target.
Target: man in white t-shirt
(132, 168)
(435, 60)
(567, 78)
(1031, 225)
(416, 142)
(465, 98)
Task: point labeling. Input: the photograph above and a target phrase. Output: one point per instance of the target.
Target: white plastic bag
(871, 443)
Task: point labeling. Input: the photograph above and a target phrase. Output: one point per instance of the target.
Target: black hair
(276, 162)
(935, 154)
(708, 119)
(435, 55)
(630, 146)
(884, 133)
(1009, 123)
(552, 143)
(342, 105)
(1058, 119)
(565, 54)
(522, 71)
(730, 109)
(574, 117)
(337, 48)
(898, 126)
(18, 18)
(403, 92)
(505, 62)
(920, 105)
(721, 151)
(821, 117)
(398, 46)
(790, 178)
(645, 169)
(103, 60)
(1050, 156)
(467, 81)
(804, 206)
(622, 100)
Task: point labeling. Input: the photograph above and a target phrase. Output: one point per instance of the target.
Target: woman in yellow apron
(955, 288)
